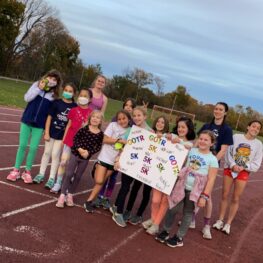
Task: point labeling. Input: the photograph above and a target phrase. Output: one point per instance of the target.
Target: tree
(159, 85)
(11, 13)
(140, 78)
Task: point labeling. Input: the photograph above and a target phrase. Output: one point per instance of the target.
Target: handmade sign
(152, 160)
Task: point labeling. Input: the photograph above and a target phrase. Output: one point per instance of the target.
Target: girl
(54, 130)
(243, 157)
(87, 142)
(107, 189)
(194, 186)
(99, 100)
(39, 98)
(160, 126)
(183, 133)
(224, 138)
(104, 168)
(139, 117)
(78, 117)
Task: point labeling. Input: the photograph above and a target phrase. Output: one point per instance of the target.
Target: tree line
(33, 40)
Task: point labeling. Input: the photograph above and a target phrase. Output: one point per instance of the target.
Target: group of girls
(66, 126)
(72, 134)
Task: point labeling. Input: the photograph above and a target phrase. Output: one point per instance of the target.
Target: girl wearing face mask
(39, 98)
(54, 131)
(78, 118)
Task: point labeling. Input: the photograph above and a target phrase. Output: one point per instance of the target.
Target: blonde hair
(92, 114)
(142, 109)
(94, 81)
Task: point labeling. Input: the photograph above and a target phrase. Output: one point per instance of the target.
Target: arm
(212, 172)
(66, 130)
(47, 128)
(33, 91)
(104, 104)
(255, 163)
(222, 152)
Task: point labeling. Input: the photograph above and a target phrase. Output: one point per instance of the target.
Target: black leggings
(126, 181)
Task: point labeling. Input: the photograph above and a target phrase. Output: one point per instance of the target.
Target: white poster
(152, 160)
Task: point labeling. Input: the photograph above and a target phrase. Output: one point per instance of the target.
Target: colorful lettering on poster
(135, 140)
(174, 164)
(145, 170)
(160, 167)
(134, 156)
(152, 148)
(157, 140)
(147, 159)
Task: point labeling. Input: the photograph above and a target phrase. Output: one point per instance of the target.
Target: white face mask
(51, 84)
(83, 100)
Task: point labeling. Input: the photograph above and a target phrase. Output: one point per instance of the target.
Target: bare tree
(159, 85)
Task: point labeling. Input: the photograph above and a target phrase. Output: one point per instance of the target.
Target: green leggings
(25, 132)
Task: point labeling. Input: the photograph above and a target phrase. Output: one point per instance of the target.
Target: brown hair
(166, 124)
(55, 74)
(210, 134)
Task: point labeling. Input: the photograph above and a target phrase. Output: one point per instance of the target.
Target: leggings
(52, 149)
(25, 132)
(188, 209)
(63, 162)
(109, 185)
(75, 168)
(126, 181)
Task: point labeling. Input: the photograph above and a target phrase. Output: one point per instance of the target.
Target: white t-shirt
(108, 152)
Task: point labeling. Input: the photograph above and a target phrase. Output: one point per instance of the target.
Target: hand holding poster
(152, 160)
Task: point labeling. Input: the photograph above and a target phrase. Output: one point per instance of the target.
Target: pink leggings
(159, 206)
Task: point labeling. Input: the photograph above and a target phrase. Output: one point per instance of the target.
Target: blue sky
(213, 48)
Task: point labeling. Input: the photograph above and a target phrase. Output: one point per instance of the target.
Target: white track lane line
(9, 132)
(10, 122)
(34, 165)
(12, 109)
(9, 114)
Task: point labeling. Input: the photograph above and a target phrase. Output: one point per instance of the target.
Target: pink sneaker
(61, 201)
(13, 175)
(69, 200)
(26, 176)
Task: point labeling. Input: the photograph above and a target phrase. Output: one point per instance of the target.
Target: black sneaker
(174, 241)
(89, 207)
(162, 236)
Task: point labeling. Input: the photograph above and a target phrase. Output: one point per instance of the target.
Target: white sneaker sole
(113, 218)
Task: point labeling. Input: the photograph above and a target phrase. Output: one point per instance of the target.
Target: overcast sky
(213, 48)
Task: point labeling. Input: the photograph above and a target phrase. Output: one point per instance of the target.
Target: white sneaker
(218, 224)
(226, 229)
(148, 223)
(56, 188)
(192, 225)
(207, 232)
(153, 230)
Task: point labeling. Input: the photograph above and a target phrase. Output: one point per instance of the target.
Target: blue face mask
(67, 95)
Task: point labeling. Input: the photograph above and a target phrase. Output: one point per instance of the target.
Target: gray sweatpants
(188, 209)
(75, 169)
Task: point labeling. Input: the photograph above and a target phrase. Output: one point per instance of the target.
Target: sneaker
(118, 219)
(89, 207)
(50, 183)
(226, 229)
(135, 220)
(218, 224)
(148, 223)
(56, 188)
(13, 175)
(69, 200)
(153, 230)
(106, 203)
(162, 237)
(207, 232)
(192, 225)
(113, 209)
(38, 179)
(61, 201)
(26, 176)
(174, 241)
(98, 201)
(127, 215)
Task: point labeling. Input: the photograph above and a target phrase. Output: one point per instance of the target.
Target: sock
(59, 180)
(206, 221)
